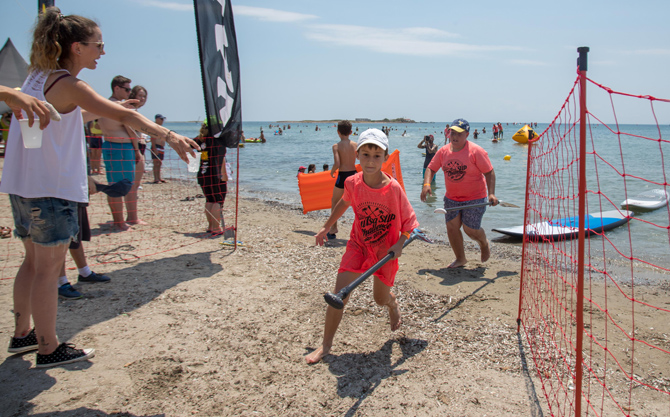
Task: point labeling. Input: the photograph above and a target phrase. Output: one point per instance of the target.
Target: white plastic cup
(32, 136)
(193, 163)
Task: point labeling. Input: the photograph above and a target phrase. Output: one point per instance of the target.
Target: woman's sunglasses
(101, 45)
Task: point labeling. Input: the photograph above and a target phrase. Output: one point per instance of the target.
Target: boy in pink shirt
(469, 179)
(384, 220)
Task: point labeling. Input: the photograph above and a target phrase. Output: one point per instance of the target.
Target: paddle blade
(421, 235)
(440, 211)
(505, 204)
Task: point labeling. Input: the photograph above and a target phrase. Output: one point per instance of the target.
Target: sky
(427, 60)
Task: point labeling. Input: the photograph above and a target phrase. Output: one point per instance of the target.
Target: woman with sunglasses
(45, 184)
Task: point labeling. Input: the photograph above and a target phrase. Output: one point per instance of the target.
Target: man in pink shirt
(469, 179)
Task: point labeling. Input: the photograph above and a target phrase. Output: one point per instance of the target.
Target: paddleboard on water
(568, 227)
(648, 200)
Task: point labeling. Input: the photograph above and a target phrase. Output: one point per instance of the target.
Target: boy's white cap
(373, 137)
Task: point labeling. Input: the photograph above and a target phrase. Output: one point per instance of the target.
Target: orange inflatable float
(316, 190)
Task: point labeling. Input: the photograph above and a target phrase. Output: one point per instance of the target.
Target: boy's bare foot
(317, 355)
(138, 221)
(457, 263)
(394, 314)
(486, 252)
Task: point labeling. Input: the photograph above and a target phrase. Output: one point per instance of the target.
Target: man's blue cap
(159, 116)
(460, 125)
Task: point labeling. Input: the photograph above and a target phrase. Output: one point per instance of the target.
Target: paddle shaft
(336, 300)
(502, 203)
(488, 203)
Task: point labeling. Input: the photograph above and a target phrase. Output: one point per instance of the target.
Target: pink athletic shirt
(463, 171)
(382, 214)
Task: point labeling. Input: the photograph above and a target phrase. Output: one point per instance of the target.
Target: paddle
(337, 300)
(502, 203)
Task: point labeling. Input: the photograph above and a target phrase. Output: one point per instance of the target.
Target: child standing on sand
(384, 220)
(212, 178)
(344, 154)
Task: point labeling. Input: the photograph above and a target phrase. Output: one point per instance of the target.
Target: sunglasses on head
(101, 45)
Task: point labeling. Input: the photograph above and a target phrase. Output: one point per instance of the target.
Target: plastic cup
(32, 136)
(193, 163)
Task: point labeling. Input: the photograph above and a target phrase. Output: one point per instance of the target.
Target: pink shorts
(359, 259)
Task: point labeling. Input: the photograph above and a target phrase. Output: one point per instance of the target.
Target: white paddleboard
(568, 227)
(648, 200)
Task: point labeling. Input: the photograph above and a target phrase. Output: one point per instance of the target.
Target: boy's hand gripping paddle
(336, 300)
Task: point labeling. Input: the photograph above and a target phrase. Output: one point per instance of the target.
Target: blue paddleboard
(568, 227)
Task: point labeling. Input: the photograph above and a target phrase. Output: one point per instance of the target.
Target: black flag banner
(43, 4)
(220, 67)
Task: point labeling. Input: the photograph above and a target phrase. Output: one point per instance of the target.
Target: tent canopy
(13, 69)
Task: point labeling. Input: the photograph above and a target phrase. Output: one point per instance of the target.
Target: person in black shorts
(158, 152)
(212, 178)
(344, 156)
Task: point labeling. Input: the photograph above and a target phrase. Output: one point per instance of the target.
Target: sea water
(268, 172)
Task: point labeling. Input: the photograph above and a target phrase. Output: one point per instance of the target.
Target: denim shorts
(471, 217)
(48, 221)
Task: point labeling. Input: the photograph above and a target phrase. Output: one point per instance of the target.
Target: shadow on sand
(359, 374)
(109, 300)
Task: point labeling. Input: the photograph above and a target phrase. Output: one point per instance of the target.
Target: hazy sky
(428, 60)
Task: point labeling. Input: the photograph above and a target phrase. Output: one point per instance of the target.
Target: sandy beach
(207, 331)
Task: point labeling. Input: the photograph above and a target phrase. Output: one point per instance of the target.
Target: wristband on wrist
(428, 184)
(406, 234)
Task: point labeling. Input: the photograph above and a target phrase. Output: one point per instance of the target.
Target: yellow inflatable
(507, 157)
(316, 190)
(525, 134)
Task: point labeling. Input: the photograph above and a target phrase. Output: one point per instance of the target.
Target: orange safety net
(316, 190)
(623, 284)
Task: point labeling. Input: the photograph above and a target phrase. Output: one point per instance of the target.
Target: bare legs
(383, 297)
(131, 198)
(116, 205)
(337, 195)
(157, 163)
(79, 258)
(36, 293)
(213, 214)
(96, 156)
(456, 241)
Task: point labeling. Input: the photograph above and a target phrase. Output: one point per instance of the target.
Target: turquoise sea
(268, 172)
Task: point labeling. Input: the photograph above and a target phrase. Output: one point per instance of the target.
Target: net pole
(582, 64)
(237, 194)
(525, 240)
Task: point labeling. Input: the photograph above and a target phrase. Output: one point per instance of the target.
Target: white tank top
(58, 168)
